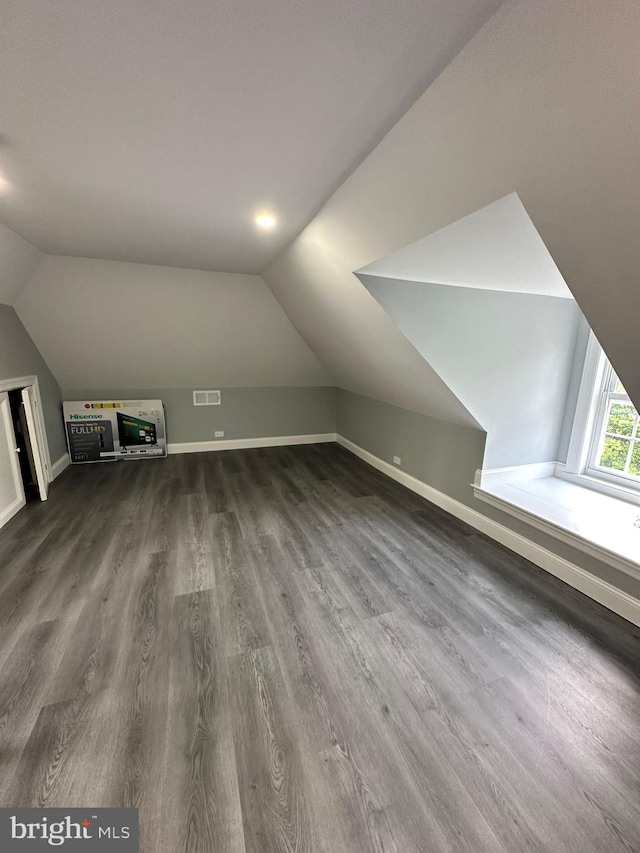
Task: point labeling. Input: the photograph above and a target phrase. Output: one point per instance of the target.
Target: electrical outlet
(219, 433)
(397, 460)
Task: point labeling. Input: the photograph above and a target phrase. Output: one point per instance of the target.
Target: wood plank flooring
(282, 650)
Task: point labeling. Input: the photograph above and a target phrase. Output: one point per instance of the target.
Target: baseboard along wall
(241, 443)
(604, 593)
(59, 466)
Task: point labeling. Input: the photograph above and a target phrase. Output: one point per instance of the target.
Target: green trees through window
(620, 444)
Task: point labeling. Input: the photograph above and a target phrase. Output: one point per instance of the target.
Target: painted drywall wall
(446, 457)
(105, 324)
(583, 330)
(436, 452)
(18, 261)
(19, 357)
(507, 356)
(243, 413)
(544, 102)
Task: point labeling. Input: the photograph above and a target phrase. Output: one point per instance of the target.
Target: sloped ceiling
(495, 248)
(152, 130)
(18, 261)
(354, 338)
(485, 305)
(110, 324)
(544, 101)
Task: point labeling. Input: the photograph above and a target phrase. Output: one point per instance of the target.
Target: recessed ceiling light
(265, 220)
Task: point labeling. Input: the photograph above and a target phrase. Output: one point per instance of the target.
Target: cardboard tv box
(105, 431)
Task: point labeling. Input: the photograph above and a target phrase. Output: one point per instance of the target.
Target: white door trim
(30, 409)
(41, 431)
(5, 413)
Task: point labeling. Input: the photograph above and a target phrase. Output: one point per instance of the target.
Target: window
(615, 448)
(605, 442)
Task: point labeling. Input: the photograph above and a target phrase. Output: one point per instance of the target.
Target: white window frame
(608, 395)
(596, 389)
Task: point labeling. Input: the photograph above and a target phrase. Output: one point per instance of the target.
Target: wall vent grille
(206, 398)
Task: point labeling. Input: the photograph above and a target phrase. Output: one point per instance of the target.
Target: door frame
(5, 415)
(41, 431)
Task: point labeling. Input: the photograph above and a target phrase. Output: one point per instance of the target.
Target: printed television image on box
(134, 432)
(105, 431)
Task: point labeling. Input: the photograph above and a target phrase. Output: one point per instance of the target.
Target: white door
(11, 489)
(35, 438)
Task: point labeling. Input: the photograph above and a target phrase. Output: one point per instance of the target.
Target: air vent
(206, 398)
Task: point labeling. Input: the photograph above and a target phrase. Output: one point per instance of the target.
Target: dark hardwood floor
(283, 650)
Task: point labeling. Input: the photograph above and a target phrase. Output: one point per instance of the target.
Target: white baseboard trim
(241, 443)
(11, 510)
(604, 593)
(59, 466)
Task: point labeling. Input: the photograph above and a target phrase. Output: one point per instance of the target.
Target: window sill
(599, 484)
(602, 526)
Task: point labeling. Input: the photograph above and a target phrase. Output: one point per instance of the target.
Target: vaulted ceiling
(542, 102)
(153, 130)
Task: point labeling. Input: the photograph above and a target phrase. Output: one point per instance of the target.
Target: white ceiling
(495, 248)
(151, 131)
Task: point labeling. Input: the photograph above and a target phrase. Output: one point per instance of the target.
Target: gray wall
(244, 413)
(19, 356)
(440, 453)
(580, 351)
(446, 457)
(508, 357)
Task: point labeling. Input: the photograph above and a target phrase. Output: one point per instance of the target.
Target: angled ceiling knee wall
(541, 101)
(109, 324)
(485, 305)
(354, 338)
